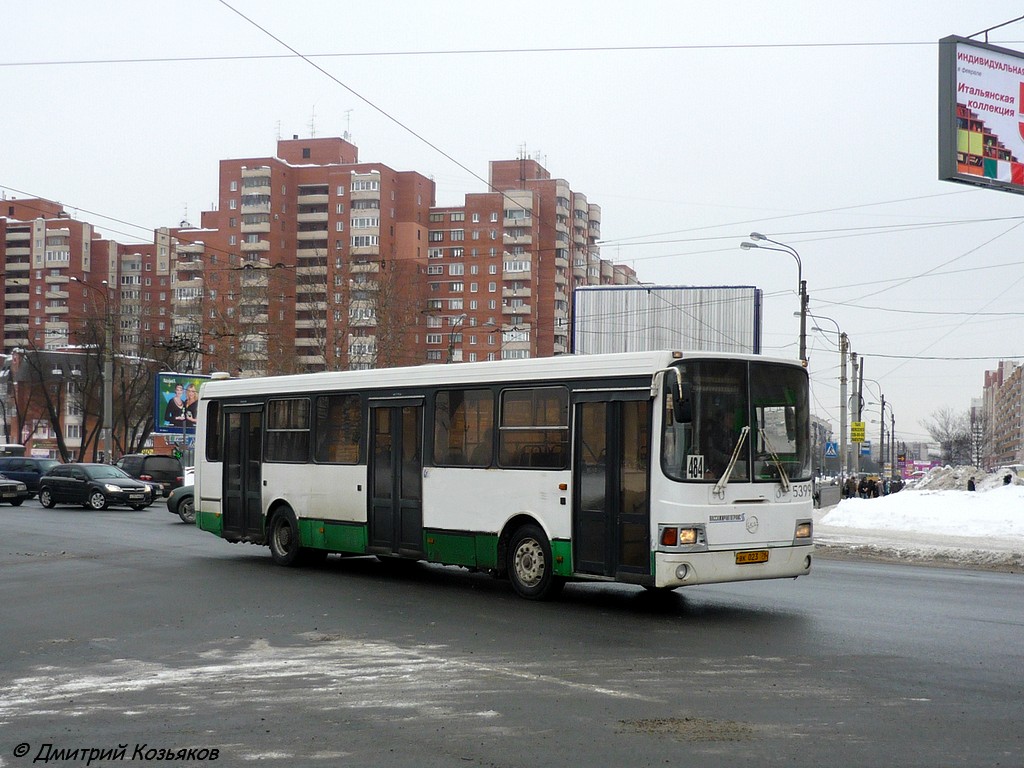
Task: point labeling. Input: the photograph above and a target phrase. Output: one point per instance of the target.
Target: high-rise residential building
(313, 260)
(502, 267)
(309, 262)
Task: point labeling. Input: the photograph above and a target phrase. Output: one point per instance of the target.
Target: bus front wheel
(285, 545)
(530, 566)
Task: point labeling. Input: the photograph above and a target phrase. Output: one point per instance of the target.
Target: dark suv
(26, 469)
(164, 472)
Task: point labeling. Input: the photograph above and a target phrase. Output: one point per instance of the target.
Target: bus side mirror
(682, 409)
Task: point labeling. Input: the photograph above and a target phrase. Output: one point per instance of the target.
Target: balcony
(522, 309)
(311, 234)
(260, 245)
(18, 251)
(316, 199)
(318, 217)
(516, 293)
(364, 266)
(263, 226)
(524, 239)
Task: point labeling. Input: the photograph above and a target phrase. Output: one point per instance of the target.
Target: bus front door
(611, 477)
(396, 478)
(243, 476)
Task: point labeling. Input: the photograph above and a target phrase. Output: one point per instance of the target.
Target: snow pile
(955, 478)
(984, 528)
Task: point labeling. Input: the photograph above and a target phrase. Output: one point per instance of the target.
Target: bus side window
(463, 427)
(534, 430)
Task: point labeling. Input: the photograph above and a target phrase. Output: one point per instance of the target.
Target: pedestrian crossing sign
(831, 450)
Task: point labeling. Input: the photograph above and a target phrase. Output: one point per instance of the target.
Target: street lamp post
(844, 344)
(108, 371)
(801, 284)
(456, 322)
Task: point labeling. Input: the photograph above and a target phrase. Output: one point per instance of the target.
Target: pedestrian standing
(970, 484)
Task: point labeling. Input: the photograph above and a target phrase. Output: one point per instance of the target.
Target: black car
(13, 492)
(163, 471)
(94, 486)
(26, 469)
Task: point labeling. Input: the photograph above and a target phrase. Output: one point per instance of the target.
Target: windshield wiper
(783, 477)
(724, 479)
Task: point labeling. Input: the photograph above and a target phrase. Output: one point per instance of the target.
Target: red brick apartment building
(313, 260)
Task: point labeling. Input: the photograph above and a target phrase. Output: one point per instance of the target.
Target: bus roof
(619, 365)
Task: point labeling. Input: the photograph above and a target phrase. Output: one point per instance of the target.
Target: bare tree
(952, 431)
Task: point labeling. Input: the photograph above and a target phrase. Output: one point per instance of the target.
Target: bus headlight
(681, 537)
(804, 529)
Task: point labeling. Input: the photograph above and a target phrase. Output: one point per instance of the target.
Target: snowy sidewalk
(981, 529)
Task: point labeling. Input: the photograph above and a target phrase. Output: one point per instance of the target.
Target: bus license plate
(755, 556)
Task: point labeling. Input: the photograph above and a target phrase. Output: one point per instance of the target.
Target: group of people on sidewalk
(870, 486)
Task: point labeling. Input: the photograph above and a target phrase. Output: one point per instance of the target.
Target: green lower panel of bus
(209, 521)
(473, 550)
(338, 537)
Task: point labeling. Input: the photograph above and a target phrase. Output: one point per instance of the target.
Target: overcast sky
(690, 124)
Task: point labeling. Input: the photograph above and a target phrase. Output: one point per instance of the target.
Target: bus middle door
(396, 477)
(611, 478)
(243, 473)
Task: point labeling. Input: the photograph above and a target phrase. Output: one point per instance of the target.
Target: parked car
(163, 471)
(13, 492)
(94, 486)
(181, 502)
(26, 469)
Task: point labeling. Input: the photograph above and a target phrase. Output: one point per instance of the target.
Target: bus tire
(283, 537)
(530, 566)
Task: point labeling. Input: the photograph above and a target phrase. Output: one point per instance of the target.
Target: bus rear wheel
(283, 536)
(530, 566)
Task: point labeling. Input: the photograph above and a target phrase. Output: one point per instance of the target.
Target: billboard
(634, 318)
(175, 402)
(981, 125)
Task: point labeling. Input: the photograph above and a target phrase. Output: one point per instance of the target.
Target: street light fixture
(801, 285)
(108, 370)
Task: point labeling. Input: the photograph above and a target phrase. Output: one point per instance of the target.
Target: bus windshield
(747, 420)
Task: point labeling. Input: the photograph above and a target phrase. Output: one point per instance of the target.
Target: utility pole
(843, 344)
(856, 414)
(881, 438)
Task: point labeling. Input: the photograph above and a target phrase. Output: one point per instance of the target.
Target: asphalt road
(131, 628)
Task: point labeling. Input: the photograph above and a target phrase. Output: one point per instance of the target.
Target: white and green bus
(661, 469)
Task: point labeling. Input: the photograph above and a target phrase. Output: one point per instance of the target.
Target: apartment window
(436, 217)
(476, 218)
(340, 191)
(458, 217)
(474, 287)
(233, 203)
(456, 269)
(435, 236)
(234, 186)
(340, 208)
(306, 153)
(339, 227)
(494, 217)
(492, 287)
(458, 234)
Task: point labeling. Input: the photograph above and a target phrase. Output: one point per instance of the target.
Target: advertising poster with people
(177, 402)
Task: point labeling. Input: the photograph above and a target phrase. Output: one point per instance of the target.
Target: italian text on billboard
(981, 114)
